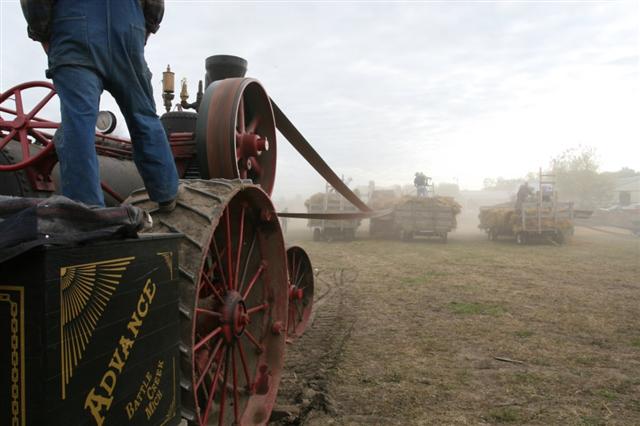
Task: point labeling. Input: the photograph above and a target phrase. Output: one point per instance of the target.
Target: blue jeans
(98, 45)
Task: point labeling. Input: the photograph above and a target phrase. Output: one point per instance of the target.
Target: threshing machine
(241, 294)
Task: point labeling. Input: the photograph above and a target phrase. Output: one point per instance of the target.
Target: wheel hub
(234, 316)
(295, 293)
(251, 144)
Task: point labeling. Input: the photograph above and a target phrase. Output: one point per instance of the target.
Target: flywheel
(233, 299)
(236, 133)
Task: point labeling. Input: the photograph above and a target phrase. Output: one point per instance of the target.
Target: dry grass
(432, 317)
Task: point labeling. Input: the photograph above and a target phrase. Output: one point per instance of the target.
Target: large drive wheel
(18, 124)
(233, 299)
(300, 291)
(236, 133)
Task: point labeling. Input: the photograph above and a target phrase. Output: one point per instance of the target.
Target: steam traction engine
(241, 294)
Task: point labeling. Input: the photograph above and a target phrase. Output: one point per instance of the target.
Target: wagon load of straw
(438, 203)
(509, 219)
(496, 218)
(441, 209)
(316, 199)
(330, 202)
(383, 199)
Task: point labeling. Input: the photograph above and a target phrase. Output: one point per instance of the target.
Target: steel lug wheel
(301, 285)
(233, 299)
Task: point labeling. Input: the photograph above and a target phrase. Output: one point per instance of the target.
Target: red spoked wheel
(235, 132)
(25, 127)
(233, 299)
(300, 291)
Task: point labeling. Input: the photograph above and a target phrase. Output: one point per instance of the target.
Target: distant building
(627, 190)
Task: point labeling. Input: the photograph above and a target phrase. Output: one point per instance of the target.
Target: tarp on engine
(30, 222)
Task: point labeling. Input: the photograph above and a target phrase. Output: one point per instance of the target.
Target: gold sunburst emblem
(85, 291)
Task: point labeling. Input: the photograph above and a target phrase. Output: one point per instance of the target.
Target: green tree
(502, 184)
(578, 179)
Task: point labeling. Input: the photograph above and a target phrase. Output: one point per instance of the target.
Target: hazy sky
(459, 90)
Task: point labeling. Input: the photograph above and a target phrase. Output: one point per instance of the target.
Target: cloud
(460, 90)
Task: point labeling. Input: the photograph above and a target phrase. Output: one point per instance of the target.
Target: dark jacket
(38, 14)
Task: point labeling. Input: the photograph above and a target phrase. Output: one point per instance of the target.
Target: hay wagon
(418, 216)
(327, 230)
(550, 220)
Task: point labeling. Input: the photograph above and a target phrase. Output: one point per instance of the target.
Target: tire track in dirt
(310, 361)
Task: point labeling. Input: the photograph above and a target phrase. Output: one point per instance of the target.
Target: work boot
(167, 206)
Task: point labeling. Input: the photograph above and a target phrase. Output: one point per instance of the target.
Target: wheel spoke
(43, 124)
(213, 263)
(25, 144)
(207, 281)
(300, 278)
(246, 264)
(297, 272)
(208, 337)
(235, 385)
(257, 308)
(299, 310)
(7, 110)
(206, 369)
(253, 124)
(223, 395)
(214, 387)
(240, 242)
(290, 320)
(208, 312)
(18, 101)
(39, 137)
(41, 104)
(7, 138)
(252, 339)
(243, 361)
(253, 281)
(215, 248)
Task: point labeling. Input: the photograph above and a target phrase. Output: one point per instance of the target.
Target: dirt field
(470, 332)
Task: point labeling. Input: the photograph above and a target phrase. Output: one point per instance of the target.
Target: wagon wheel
(233, 299)
(300, 291)
(235, 132)
(18, 125)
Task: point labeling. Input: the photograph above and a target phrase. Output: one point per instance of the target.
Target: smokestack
(220, 67)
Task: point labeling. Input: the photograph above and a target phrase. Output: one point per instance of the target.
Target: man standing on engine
(96, 45)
